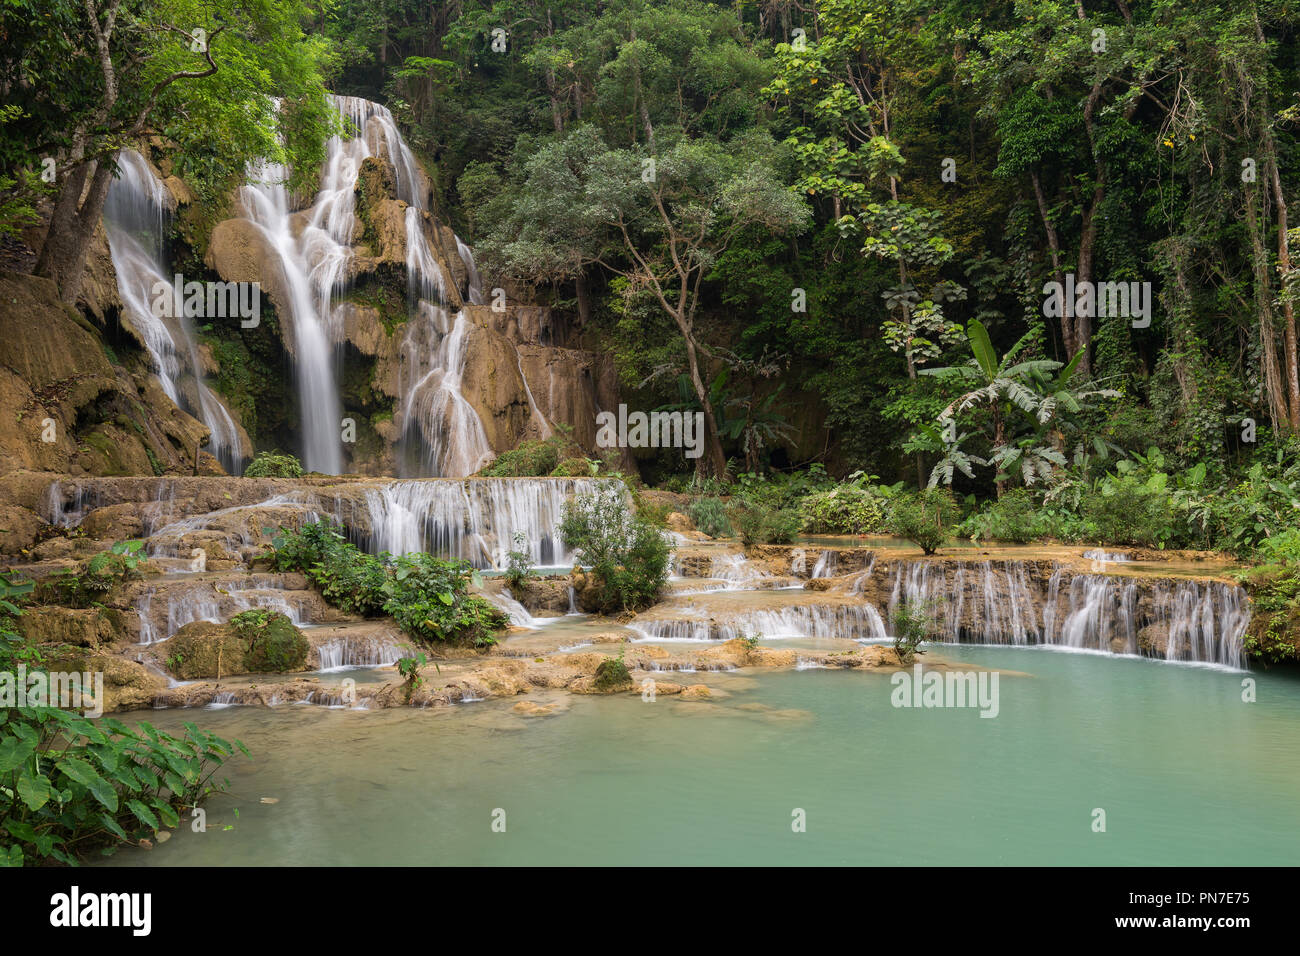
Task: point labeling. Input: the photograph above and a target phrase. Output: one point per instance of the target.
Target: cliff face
(92, 371)
(73, 404)
(516, 381)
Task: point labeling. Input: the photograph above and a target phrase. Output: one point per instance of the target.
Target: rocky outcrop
(207, 649)
(76, 409)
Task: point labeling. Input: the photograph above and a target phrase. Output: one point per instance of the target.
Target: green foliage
(612, 674)
(70, 786)
(347, 577)
(91, 580)
(519, 569)
(759, 524)
(428, 598)
(572, 468)
(844, 509)
(273, 465)
(273, 644)
(1013, 517)
(409, 668)
(532, 458)
(710, 516)
(627, 554)
(912, 623)
(924, 517)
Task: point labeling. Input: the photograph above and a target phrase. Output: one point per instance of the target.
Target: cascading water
(314, 259)
(136, 215)
(474, 519)
(1195, 621)
(855, 622)
(455, 443)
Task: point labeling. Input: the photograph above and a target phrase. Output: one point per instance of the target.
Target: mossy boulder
(82, 627)
(273, 644)
(252, 642)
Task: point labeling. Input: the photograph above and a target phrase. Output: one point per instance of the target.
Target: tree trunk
(1087, 243)
(67, 242)
(1288, 309)
(1274, 390)
(1054, 248)
(717, 460)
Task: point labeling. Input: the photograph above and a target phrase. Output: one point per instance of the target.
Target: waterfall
(314, 249)
(736, 571)
(312, 265)
(136, 217)
(473, 519)
(344, 652)
(474, 292)
(825, 566)
(433, 359)
(856, 622)
(1195, 621)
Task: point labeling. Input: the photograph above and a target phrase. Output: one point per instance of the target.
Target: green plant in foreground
(912, 623)
(269, 464)
(519, 568)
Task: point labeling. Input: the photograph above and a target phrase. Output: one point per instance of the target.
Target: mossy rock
(611, 675)
(572, 468)
(205, 649)
(273, 644)
(252, 642)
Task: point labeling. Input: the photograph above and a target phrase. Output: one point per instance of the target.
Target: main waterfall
(136, 216)
(315, 254)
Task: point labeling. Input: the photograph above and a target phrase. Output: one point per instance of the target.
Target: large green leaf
(33, 789)
(982, 347)
(88, 777)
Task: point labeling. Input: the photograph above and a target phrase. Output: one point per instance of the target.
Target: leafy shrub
(519, 566)
(273, 644)
(429, 599)
(532, 459)
(1013, 517)
(924, 517)
(269, 464)
(759, 524)
(844, 509)
(626, 553)
(1281, 548)
(710, 516)
(70, 786)
(778, 490)
(1127, 510)
(912, 623)
(574, 468)
(347, 577)
(612, 673)
(92, 579)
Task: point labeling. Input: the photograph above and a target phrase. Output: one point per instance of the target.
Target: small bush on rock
(924, 517)
(269, 464)
(627, 554)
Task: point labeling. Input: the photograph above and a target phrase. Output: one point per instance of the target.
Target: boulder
(19, 529)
